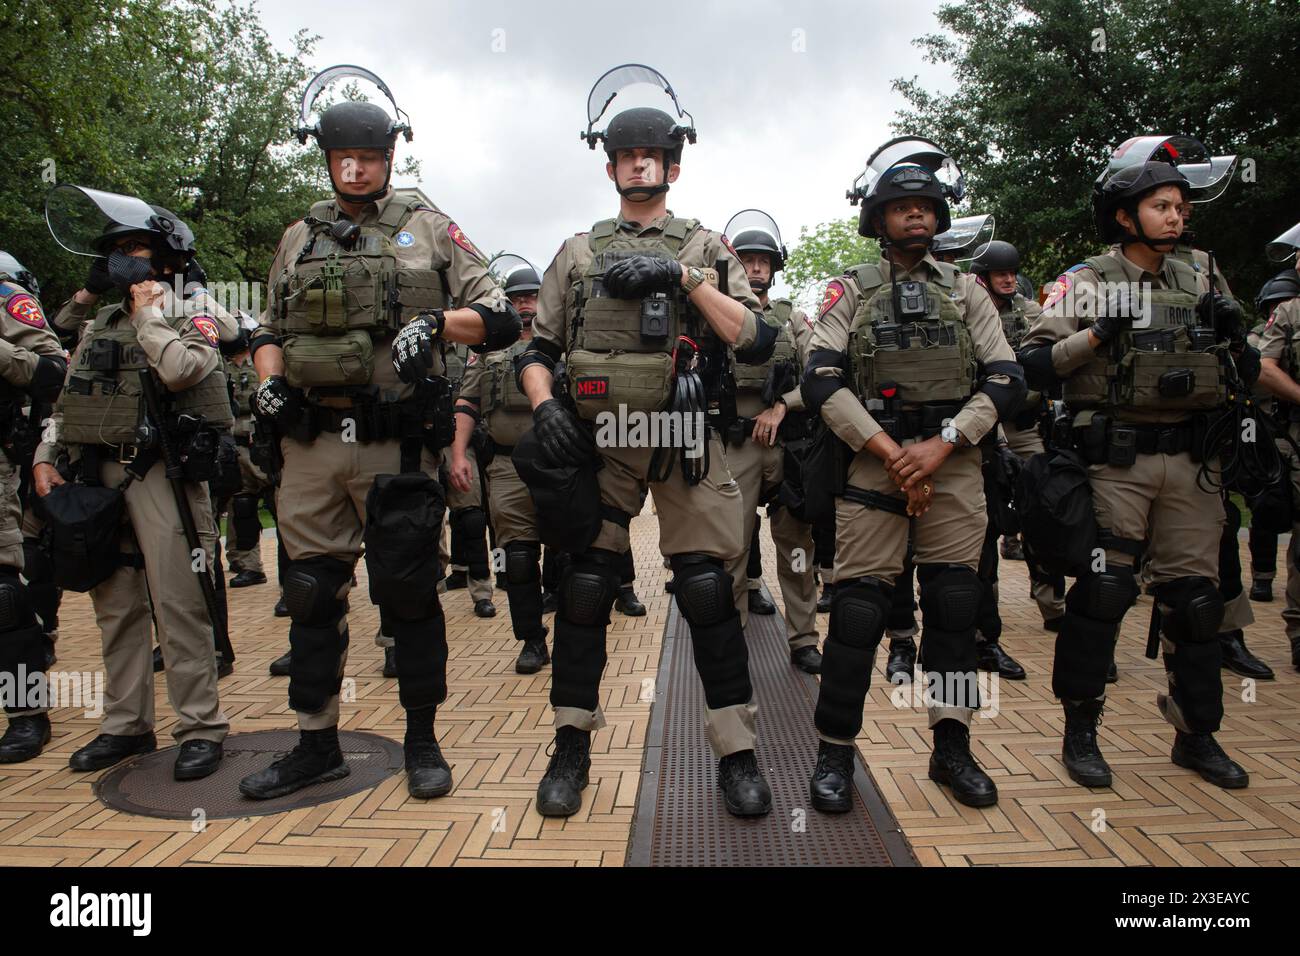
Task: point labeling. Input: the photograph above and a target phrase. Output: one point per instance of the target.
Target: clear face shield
(911, 150)
(79, 218)
(506, 264)
(1208, 176)
(308, 122)
(618, 79)
(1283, 248)
(753, 227)
(964, 237)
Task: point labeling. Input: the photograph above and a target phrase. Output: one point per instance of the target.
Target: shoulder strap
(678, 231)
(600, 235)
(1184, 275)
(325, 209)
(784, 310)
(948, 273)
(396, 214)
(104, 316)
(1106, 267)
(868, 276)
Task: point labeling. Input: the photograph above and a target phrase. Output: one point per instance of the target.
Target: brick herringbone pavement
(495, 728)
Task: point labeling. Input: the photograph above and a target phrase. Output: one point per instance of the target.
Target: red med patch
(462, 240)
(834, 292)
(207, 327)
(27, 311)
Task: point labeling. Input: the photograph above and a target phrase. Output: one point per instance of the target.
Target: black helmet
(1124, 190)
(15, 271)
(904, 181)
(515, 273)
(752, 230)
(1285, 285)
(354, 125)
(647, 128)
(995, 256)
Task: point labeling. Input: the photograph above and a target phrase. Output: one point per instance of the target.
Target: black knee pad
(702, 589)
(626, 568)
(1195, 610)
(403, 523)
(1196, 683)
(704, 598)
(421, 661)
(859, 612)
(577, 661)
(38, 569)
(310, 589)
(1083, 650)
(1104, 597)
(521, 562)
(902, 600)
(469, 541)
(314, 672)
(245, 521)
(587, 589)
(950, 601)
(16, 610)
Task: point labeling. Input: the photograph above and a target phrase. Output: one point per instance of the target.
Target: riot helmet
(1124, 190)
(15, 271)
(1284, 247)
(638, 127)
(904, 167)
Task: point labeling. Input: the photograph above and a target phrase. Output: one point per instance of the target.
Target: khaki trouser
(873, 543)
(758, 470)
(480, 589)
(254, 483)
(1158, 499)
(321, 512)
(513, 517)
(168, 587)
(705, 519)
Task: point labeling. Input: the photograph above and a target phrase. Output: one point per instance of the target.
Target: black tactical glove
(1248, 365)
(98, 280)
(274, 398)
(413, 349)
(638, 276)
(1009, 466)
(563, 439)
(1228, 322)
(1106, 327)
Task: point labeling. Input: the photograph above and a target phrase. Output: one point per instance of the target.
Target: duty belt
(921, 422)
(1163, 440)
(370, 421)
(739, 431)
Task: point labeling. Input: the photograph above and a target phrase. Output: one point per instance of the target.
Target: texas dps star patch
(208, 327)
(462, 240)
(27, 311)
(834, 292)
(1060, 287)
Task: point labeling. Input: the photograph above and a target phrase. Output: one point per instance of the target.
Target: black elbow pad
(539, 352)
(47, 379)
(817, 388)
(761, 349)
(1036, 361)
(1008, 398)
(500, 329)
(470, 410)
(259, 339)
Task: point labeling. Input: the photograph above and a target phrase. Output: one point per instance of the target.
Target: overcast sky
(789, 99)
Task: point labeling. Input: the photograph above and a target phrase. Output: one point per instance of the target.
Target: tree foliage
(823, 253)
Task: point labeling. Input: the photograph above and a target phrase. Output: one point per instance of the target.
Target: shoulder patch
(472, 360)
(1061, 286)
(730, 248)
(806, 321)
(834, 292)
(404, 238)
(26, 310)
(458, 236)
(207, 327)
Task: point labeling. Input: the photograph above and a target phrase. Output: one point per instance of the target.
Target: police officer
(361, 436)
(996, 265)
(756, 455)
(144, 251)
(1135, 390)
(1280, 375)
(489, 394)
(910, 368)
(470, 567)
(633, 308)
(32, 366)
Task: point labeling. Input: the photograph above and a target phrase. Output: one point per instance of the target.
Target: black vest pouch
(84, 528)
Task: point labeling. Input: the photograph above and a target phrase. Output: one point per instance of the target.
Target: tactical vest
(243, 386)
(1014, 322)
(1168, 364)
(332, 302)
(927, 355)
(102, 403)
(610, 361)
(750, 378)
(506, 410)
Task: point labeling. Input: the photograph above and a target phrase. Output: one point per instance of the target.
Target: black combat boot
(197, 759)
(831, 786)
(744, 791)
(952, 765)
(1079, 752)
(1238, 659)
(902, 659)
(108, 749)
(824, 602)
(627, 603)
(390, 661)
(533, 656)
(281, 609)
(24, 738)
(1011, 548)
(427, 773)
(1295, 653)
(247, 579)
(1261, 589)
(992, 657)
(1202, 753)
(316, 759)
(485, 608)
(560, 792)
(807, 659)
(157, 659)
(759, 604)
(280, 666)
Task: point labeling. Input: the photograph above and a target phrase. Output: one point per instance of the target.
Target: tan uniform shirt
(1067, 331)
(436, 243)
(703, 249)
(1283, 321)
(24, 335)
(843, 411)
(181, 359)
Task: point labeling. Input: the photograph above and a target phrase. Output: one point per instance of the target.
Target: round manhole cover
(145, 786)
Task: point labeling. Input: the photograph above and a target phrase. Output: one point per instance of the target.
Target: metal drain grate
(145, 786)
(680, 819)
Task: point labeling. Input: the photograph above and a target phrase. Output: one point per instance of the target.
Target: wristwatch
(950, 434)
(695, 277)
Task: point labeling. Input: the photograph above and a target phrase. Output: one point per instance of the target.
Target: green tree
(823, 253)
(1047, 88)
(187, 105)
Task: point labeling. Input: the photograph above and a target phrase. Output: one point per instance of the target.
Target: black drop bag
(566, 499)
(84, 531)
(404, 516)
(1054, 501)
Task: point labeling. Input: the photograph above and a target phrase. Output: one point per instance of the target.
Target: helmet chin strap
(375, 196)
(642, 193)
(759, 288)
(1163, 246)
